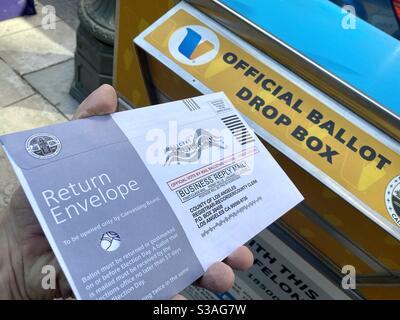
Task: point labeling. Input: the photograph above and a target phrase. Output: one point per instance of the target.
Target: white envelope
(138, 205)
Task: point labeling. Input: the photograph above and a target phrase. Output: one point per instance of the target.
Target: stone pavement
(36, 70)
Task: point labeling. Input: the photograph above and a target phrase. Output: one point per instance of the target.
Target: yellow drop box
(344, 219)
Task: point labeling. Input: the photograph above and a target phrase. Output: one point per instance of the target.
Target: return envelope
(138, 204)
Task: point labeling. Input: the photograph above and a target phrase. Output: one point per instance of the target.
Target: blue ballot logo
(194, 45)
(110, 241)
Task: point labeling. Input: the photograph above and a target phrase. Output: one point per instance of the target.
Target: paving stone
(32, 112)
(36, 48)
(54, 83)
(8, 181)
(29, 113)
(14, 25)
(12, 86)
(66, 10)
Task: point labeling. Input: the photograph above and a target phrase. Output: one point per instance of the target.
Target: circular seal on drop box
(194, 45)
(43, 146)
(392, 199)
(110, 241)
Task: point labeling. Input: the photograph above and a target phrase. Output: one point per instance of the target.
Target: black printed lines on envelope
(191, 104)
(238, 129)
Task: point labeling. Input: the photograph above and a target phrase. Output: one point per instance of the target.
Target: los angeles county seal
(392, 199)
(43, 146)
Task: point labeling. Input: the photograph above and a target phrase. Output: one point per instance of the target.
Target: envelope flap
(38, 147)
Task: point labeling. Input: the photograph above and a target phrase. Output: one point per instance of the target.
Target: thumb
(100, 102)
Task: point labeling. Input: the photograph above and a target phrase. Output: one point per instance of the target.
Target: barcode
(191, 104)
(238, 129)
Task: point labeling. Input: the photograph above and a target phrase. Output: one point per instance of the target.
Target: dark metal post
(95, 46)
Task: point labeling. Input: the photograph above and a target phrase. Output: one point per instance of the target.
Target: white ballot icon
(137, 205)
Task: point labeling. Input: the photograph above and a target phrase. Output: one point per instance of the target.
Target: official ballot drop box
(324, 102)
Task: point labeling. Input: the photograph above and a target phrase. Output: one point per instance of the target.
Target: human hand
(24, 249)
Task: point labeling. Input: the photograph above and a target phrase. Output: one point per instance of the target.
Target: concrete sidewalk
(36, 71)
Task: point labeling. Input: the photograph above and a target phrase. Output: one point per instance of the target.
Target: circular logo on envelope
(43, 146)
(110, 241)
(194, 45)
(392, 199)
